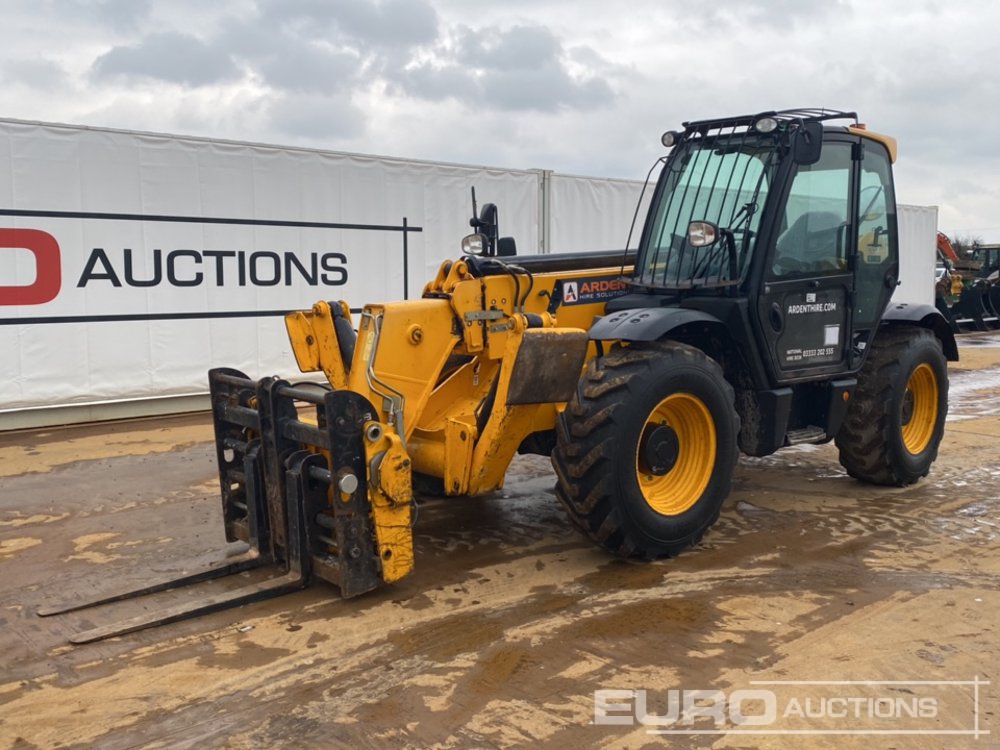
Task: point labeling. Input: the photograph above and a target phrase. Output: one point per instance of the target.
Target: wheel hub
(660, 450)
(675, 454)
(919, 412)
(907, 411)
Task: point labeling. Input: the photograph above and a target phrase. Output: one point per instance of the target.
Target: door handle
(776, 318)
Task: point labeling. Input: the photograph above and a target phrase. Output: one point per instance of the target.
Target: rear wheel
(646, 448)
(895, 422)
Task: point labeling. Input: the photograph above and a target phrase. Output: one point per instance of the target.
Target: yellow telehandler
(755, 314)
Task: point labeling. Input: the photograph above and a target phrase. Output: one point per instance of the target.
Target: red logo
(48, 270)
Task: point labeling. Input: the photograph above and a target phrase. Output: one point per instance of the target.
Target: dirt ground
(511, 621)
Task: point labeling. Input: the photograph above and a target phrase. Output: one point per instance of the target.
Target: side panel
(917, 254)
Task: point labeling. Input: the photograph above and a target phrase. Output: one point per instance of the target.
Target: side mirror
(807, 143)
(488, 216)
(487, 227)
(506, 247)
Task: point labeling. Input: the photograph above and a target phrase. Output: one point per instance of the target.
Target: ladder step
(810, 434)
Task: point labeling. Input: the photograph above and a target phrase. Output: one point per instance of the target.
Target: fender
(647, 323)
(925, 316)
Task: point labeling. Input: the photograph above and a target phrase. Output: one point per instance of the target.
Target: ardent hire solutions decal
(594, 289)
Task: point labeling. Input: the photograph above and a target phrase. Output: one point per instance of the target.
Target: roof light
(766, 125)
(670, 138)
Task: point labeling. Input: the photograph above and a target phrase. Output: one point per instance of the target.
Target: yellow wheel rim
(920, 409)
(673, 488)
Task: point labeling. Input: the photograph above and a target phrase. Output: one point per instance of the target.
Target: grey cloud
(780, 14)
(516, 48)
(43, 75)
(314, 54)
(926, 107)
(310, 68)
(168, 56)
(365, 23)
(523, 68)
(118, 14)
(440, 83)
(311, 45)
(545, 89)
(390, 22)
(315, 117)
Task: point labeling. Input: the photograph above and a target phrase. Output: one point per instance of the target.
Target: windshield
(719, 179)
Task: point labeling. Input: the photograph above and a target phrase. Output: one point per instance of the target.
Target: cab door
(876, 265)
(804, 308)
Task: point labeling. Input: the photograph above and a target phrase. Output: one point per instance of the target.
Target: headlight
(702, 233)
(766, 125)
(474, 244)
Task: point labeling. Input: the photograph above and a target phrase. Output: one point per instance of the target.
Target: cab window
(813, 239)
(876, 235)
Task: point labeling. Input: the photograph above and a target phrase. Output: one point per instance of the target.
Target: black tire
(636, 463)
(895, 421)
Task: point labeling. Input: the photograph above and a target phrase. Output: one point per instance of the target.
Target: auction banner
(131, 263)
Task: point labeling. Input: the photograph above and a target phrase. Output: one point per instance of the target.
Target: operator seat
(809, 244)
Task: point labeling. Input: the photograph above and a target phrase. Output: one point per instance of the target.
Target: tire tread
(586, 440)
(865, 439)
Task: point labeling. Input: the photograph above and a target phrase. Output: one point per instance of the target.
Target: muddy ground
(511, 621)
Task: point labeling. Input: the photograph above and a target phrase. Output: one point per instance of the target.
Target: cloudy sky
(579, 86)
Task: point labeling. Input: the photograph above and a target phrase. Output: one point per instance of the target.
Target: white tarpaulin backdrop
(130, 263)
(918, 248)
(588, 213)
(173, 255)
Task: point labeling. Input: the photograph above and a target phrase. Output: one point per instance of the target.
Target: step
(810, 434)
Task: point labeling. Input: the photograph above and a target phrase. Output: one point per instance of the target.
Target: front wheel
(646, 448)
(895, 422)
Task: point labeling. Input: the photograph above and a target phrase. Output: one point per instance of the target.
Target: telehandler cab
(754, 315)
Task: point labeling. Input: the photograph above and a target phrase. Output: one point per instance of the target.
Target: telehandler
(755, 314)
